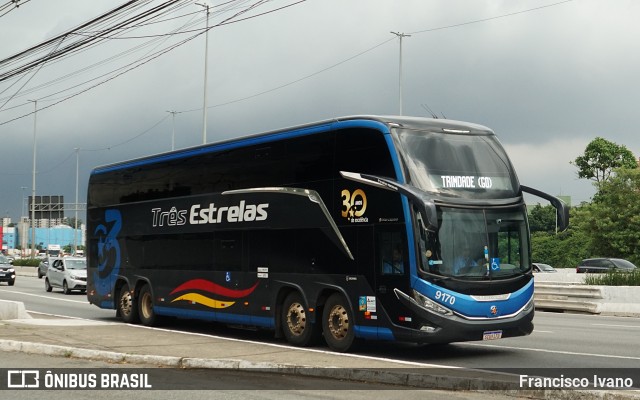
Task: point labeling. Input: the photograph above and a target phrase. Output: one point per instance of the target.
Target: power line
(373, 48)
(320, 71)
(477, 21)
(11, 5)
(354, 57)
(148, 58)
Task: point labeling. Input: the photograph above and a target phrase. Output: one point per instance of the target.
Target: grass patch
(614, 278)
(27, 262)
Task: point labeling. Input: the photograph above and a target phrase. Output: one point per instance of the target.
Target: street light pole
(33, 182)
(400, 36)
(173, 131)
(23, 189)
(23, 240)
(75, 230)
(206, 57)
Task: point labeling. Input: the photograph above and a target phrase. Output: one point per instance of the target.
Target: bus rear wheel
(337, 323)
(145, 307)
(296, 326)
(127, 307)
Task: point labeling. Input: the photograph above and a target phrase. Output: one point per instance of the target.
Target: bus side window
(392, 255)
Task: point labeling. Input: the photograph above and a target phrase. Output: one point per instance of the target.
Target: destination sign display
(471, 182)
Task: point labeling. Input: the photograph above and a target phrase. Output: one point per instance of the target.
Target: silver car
(68, 273)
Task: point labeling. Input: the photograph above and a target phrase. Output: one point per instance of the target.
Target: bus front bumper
(438, 328)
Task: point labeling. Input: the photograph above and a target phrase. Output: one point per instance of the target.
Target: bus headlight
(430, 304)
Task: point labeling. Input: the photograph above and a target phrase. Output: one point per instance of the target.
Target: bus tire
(296, 325)
(127, 307)
(148, 317)
(338, 323)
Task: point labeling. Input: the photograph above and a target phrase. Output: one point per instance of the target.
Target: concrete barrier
(12, 310)
(606, 300)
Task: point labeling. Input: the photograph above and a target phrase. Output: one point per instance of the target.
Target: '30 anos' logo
(353, 204)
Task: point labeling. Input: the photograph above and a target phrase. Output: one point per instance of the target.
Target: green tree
(72, 222)
(565, 249)
(614, 217)
(542, 219)
(601, 157)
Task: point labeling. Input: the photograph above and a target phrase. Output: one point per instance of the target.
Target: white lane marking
(45, 297)
(59, 322)
(572, 353)
(539, 331)
(618, 326)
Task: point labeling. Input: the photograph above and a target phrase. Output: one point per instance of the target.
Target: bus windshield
(471, 166)
(477, 244)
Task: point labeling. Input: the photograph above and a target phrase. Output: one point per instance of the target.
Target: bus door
(392, 271)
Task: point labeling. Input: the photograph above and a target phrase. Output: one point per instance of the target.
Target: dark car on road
(7, 271)
(600, 265)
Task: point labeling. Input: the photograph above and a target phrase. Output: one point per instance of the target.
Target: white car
(68, 273)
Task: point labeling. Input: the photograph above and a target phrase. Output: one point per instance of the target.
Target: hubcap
(338, 322)
(296, 319)
(125, 303)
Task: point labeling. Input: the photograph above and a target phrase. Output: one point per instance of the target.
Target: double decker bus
(357, 228)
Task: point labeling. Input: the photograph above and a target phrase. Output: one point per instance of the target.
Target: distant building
(8, 238)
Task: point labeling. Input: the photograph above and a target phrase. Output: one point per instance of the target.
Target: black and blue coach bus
(363, 227)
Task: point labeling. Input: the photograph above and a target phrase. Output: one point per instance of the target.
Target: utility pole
(173, 131)
(75, 230)
(23, 199)
(400, 36)
(206, 51)
(33, 182)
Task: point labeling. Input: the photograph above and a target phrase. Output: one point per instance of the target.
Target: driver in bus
(465, 260)
(396, 265)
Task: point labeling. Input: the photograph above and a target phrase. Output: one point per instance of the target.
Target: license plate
(491, 335)
(1, 274)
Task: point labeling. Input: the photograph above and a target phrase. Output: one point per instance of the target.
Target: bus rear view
(357, 228)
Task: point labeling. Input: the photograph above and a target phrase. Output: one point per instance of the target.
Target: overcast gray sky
(547, 75)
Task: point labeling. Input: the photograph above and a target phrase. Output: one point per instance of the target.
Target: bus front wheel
(296, 326)
(338, 323)
(145, 306)
(127, 307)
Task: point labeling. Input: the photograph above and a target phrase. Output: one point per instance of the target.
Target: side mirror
(420, 200)
(562, 210)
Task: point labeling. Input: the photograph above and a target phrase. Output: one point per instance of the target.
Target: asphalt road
(559, 340)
